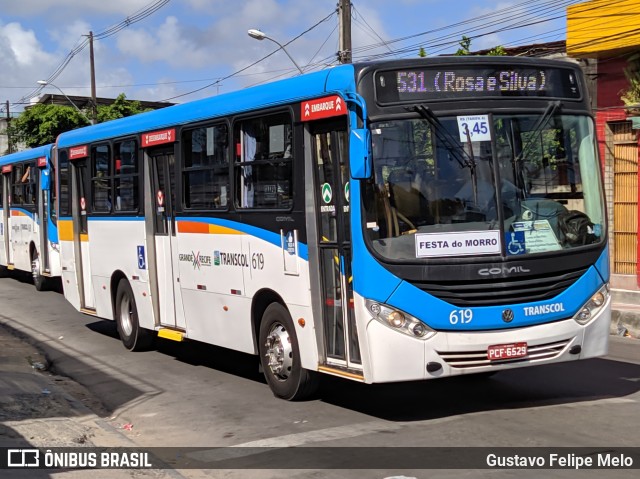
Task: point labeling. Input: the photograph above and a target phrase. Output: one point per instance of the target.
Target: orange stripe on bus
(192, 227)
(223, 230)
(18, 213)
(65, 230)
(205, 228)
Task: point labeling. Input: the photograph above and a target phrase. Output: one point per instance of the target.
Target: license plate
(506, 351)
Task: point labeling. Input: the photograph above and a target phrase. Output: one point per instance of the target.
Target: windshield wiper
(551, 110)
(445, 137)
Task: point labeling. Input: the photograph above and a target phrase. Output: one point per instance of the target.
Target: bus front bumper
(394, 356)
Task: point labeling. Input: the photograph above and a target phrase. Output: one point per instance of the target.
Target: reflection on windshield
(434, 190)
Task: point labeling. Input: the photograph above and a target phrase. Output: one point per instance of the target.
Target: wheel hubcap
(35, 268)
(125, 316)
(279, 352)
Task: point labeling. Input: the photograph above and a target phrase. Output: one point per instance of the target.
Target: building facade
(608, 31)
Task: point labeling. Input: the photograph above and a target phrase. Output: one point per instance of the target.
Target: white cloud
(169, 43)
(22, 46)
(40, 7)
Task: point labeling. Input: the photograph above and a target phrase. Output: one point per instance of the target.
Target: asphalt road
(195, 395)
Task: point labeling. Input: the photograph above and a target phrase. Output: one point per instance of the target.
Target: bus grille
(474, 359)
(501, 291)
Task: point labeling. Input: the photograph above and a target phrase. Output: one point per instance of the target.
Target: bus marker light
(225, 308)
(302, 322)
(171, 334)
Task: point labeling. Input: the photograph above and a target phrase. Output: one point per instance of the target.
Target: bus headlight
(593, 306)
(399, 320)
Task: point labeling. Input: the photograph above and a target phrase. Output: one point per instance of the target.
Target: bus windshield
(476, 185)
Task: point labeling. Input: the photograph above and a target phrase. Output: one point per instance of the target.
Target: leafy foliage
(465, 44)
(631, 95)
(465, 48)
(120, 108)
(41, 124)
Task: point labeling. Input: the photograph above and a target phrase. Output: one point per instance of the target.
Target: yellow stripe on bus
(65, 230)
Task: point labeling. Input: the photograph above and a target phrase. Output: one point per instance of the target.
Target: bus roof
(30, 154)
(339, 78)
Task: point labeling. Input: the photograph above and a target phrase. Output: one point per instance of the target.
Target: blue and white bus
(390, 221)
(28, 229)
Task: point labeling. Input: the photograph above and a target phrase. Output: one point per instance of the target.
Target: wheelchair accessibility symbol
(515, 242)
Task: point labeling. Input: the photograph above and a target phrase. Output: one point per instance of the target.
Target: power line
(138, 16)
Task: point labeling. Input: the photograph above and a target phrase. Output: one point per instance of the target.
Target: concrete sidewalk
(625, 313)
(41, 409)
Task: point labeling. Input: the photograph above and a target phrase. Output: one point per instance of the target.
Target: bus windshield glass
(482, 185)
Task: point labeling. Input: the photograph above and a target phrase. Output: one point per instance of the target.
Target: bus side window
(126, 176)
(263, 168)
(101, 181)
(17, 193)
(205, 172)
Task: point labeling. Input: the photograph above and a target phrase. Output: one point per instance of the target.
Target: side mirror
(359, 158)
(44, 180)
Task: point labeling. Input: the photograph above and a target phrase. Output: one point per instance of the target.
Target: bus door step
(172, 334)
(342, 372)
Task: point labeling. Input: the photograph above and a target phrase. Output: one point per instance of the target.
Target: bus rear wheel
(131, 334)
(280, 356)
(39, 281)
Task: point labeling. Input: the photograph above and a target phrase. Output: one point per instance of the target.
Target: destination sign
(448, 82)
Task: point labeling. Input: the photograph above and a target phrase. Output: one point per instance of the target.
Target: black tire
(4, 272)
(131, 334)
(39, 281)
(279, 346)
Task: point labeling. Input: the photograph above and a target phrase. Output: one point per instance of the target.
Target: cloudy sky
(170, 48)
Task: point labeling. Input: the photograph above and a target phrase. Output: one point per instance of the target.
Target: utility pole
(9, 145)
(344, 16)
(94, 103)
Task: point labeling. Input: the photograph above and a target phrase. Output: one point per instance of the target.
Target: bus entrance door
(331, 193)
(164, 267)
(5, 257)
(80, 182)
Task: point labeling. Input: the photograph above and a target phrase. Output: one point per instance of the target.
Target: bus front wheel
(132, 335)
(280, 356)
(39, 281)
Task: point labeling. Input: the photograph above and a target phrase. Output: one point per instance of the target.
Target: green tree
(631, 94)
(465, 44)
(120, 108)
(465, 48)
(41, 124)
(498, 51)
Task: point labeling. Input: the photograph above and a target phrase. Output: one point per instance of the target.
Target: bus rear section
(483, 241)
(28, 227)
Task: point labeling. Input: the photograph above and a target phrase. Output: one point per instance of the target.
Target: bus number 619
(462, 316)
